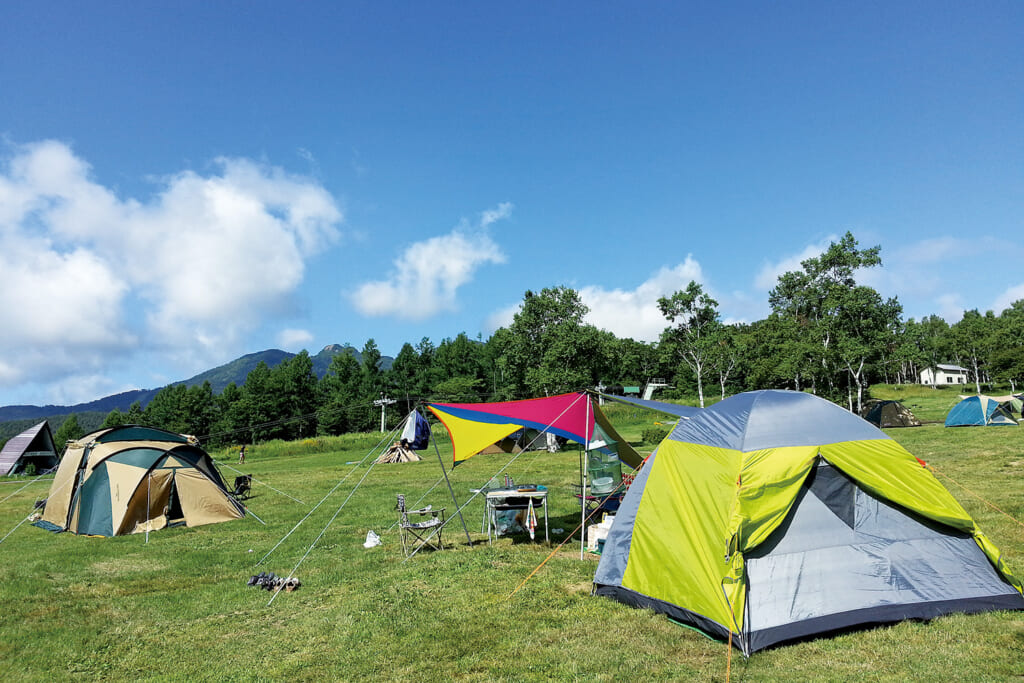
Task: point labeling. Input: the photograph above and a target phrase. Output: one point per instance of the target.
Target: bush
(655, 435)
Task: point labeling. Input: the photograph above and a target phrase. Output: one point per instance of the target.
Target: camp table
(515, 498)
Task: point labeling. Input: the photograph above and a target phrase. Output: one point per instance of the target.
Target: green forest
(826, 334)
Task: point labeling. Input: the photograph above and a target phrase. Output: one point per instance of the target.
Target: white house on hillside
(944, 374)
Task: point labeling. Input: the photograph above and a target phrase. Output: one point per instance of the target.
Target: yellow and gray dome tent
(775, 515)
(133, 479)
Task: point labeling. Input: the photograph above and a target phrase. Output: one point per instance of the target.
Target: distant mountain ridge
(219, 377)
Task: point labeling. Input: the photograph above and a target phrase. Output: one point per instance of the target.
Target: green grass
(178, 608)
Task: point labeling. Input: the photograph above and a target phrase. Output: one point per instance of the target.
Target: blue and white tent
(979, 411)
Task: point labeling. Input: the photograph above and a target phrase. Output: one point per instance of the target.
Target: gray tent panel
(792, 418)
(844, 558)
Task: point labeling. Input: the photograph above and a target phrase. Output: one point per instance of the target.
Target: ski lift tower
(383, 402)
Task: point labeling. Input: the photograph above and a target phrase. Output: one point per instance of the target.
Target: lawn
(178, 606)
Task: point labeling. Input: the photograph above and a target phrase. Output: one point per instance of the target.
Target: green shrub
(655, 435)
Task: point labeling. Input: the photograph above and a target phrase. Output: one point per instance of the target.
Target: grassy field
(178, 607)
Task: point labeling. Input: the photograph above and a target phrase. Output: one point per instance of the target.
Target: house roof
(18, 445)
(941, 366)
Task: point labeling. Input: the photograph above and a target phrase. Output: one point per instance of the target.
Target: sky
(184, 183)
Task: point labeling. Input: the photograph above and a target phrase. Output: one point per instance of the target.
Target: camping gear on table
(775, 515)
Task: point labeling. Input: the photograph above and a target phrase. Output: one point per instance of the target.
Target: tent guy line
(22, 488)
(387, 438)
(327, 526)
(223, 464)
(976, 495)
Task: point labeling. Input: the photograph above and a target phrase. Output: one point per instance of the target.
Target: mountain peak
(333, 348)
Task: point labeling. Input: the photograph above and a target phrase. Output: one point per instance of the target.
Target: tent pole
(585, 463)
(469, 540)
(149, 522)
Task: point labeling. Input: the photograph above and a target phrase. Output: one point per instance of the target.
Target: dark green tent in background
(884, 414)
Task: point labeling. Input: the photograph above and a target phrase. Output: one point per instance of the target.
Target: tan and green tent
(134, 479)
(776, 515)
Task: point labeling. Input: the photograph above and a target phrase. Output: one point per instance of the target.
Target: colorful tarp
(475, 426)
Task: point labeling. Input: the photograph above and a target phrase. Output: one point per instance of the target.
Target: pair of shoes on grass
(272, 582)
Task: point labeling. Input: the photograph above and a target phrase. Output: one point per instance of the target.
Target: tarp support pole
(458, 510)
(585, 463)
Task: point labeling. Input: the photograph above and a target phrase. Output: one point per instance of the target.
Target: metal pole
(583, 483)
(458, 509)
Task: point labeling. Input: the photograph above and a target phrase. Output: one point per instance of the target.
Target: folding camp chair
(423, 531)
(243, 484)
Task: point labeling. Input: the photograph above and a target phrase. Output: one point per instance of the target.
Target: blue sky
(182, 183)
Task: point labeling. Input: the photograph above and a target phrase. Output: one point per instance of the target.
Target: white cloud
(1004, 300)
(501, 318)
(630, 313)
(951, 307)
(634, 313)
(768, 276)
(502, 211)
(207, 258)
(427, 275)
(294, 340)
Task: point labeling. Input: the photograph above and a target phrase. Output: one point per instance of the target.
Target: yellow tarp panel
(202, 501)
(468, 437)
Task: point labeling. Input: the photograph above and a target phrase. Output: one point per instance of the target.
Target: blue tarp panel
(669, 408)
